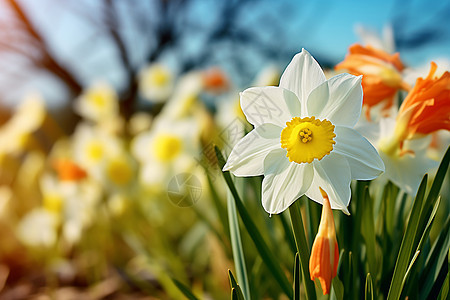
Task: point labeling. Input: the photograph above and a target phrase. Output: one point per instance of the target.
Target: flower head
(426, 109)
(381, 74)
(325, 253)
(156, 82)
(303, 138)
(98, 103)
(403, 141)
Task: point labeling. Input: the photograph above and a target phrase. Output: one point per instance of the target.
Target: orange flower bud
(68, 171)
(325, 253)
(381, 74)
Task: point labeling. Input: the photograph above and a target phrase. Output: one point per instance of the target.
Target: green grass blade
(267, 256)
(297, 276)
(338, 289)
(184, 289)
(443, 294)
(302, 247)
(220, 208)
(409, 268)
(236, 246)
(369, 288)
(368, 231)
(435, 260)
(433, 194)
(235, 286)
(404, 255)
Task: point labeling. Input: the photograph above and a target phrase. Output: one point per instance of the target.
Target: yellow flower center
(95, 151)
(98, 99)
(119, 171)
(167, 147)
(306, 139)
(159, 77)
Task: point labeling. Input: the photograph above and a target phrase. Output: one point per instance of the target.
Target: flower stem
(302, 248)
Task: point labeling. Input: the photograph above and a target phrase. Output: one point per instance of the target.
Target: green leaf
(432, 197)
(443, 294)
(297, 276)
(409, 268)
(338, 289)
(267, 256)
(302, 247)
(184, 289)
(235, 287)
(435, 260)
(368, 231)
(369, 287)
(234, 294)
(288, 232)
(404, 255)
(220, 208)
(236, 246)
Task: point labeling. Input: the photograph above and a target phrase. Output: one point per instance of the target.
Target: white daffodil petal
(247, 157)
(302, 75)
(284, 181)
(317, 100)
(338, 100)
(332, 174)
(363, 159)
(269, 105)
(407, 171)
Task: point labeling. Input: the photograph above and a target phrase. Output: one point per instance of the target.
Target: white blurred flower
(38, 228)
(156, 82)
(167, 149)
(270, 75)
(385, 41)
(98, 103)
(27, 119)
(91, 147)
(184, 98)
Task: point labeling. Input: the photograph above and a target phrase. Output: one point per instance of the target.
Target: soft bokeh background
(79, 206)
(59, 47)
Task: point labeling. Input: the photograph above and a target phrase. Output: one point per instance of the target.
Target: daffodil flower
(303, 138)
(382, 74)
(403, 141)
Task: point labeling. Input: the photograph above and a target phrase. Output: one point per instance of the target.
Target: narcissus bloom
(324, 258)
(426, 109)
(156, 82)
(98, 103)
(303, 137)
(381, 74)
(402, 142)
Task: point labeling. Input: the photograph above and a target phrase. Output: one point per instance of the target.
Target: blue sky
(326, 28)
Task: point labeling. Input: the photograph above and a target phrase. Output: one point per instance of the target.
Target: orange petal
(68, 171)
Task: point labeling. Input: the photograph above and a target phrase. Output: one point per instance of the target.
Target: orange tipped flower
(381, 74)
(215, 80)
(426, 109)
(68, 171)
(325, 253)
